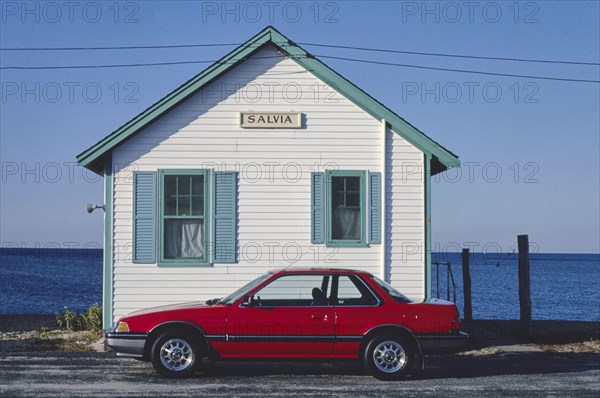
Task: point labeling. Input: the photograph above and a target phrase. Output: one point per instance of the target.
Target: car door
(355, 311)
(283, 320)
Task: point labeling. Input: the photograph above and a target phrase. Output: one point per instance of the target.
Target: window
(238, 294)
(295, 291)
(346, 208)
(183, 225)
(339, 208)
(352, 291)
(396, 295)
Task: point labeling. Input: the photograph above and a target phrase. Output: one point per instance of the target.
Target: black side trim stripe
(216, 337)
(285, 339)
(435, 335)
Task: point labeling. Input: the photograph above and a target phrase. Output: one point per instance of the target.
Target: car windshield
(235, 296)
(396, 295)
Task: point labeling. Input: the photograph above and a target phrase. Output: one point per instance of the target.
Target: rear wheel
(388, 357)
(175, 355)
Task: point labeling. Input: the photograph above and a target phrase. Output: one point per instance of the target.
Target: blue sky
(530, 148)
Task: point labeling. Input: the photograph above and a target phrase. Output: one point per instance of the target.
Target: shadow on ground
(439, 367)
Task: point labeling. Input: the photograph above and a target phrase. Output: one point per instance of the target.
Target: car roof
(309, 270)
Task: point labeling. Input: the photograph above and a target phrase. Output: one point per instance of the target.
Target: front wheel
(388, 357)
(175, 355)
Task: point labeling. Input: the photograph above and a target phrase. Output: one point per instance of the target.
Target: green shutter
(144, 217)
(225, 217)
(375, 207)
(317, 203)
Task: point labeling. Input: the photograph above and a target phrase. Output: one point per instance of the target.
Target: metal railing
(449, 280)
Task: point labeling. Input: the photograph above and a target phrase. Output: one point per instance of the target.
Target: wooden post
(524, 284)
(468, 309)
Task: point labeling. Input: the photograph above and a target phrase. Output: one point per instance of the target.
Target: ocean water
(43, 281)
(563, 286)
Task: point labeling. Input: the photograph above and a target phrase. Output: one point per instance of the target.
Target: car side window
(295, 291)
(351, 291)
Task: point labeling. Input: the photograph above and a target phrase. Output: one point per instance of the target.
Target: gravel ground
(488, 371)
(102, 374)
(26, 322)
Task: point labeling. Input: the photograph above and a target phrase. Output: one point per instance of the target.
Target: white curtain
(183, 238)
(346, 223)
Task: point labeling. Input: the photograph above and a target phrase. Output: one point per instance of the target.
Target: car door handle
(318, 318)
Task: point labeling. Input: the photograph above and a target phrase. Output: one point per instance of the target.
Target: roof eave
(92, 158)
(366, 102)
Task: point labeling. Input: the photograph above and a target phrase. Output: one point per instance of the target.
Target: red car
(294, 314)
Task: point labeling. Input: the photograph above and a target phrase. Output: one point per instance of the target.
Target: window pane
(346, 289)
(197, 185)
(352, 184)
(351, 293)
(337, 184)
(170, 205)
(197, 195)
(353, 199)
(183, 207)
(169, 185)
(183, 186)
(183, 239)
(345, 208)
(197, 205)
(293, 291)
(346, 224)
(337, 200)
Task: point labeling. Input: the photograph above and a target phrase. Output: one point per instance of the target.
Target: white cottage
(266, 159)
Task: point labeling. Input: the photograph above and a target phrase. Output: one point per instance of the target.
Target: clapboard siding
(405, 232)
(273, 207)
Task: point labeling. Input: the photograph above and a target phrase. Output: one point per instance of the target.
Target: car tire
(176, 355)
(388, 357)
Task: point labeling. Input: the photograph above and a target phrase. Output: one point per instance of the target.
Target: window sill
(180, 263)
(341, 243)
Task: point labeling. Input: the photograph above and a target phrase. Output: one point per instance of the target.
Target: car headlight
(122, 327)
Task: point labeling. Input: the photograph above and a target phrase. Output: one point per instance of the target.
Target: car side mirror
(251, 301)
(247, 302)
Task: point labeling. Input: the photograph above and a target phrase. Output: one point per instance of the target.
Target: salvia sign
(273, 120)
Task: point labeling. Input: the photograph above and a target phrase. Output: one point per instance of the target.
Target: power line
(545, 61)
(460, 70)
(102, 66)
(320, 56)
(116, 48)
(126, 65)
(392, 51)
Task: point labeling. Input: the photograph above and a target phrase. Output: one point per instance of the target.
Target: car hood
(170, 307)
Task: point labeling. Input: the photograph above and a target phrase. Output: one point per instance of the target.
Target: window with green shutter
(184, 217)
(346, 208)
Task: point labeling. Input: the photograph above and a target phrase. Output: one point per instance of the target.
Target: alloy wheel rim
(176, 355)
(389, 356)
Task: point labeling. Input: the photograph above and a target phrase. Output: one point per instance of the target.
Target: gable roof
(442, 159)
